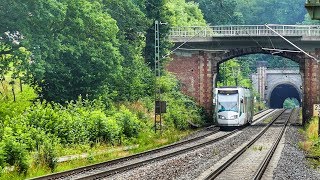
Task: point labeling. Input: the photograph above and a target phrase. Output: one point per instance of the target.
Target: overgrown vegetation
(311, 143)
(291, 103)
(76, 75)
(234, 73)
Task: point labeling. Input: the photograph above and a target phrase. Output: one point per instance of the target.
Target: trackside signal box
(161, 107)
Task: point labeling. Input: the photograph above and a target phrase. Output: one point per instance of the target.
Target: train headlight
(221, 117)
(234, 117)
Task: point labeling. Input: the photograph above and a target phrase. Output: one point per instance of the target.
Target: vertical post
(157, 72)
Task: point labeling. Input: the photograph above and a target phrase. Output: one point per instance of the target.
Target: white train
(234, 106)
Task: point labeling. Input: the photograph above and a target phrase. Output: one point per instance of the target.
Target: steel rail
(67, 173)
(224, 166)
(263, 166)
(115, 161)
(138, 164)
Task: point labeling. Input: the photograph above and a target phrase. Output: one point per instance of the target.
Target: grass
(146, 141)
(311, 143)
(268, 120)
(257, 148)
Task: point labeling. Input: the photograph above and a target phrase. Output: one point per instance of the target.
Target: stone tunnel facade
(197, 71)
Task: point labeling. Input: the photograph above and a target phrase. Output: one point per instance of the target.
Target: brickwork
(311, 72)
(197, 73)
(194, 72)
(186, 69)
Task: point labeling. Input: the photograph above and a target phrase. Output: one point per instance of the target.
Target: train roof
(232, 87)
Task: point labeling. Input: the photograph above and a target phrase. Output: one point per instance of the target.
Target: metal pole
(157, 71)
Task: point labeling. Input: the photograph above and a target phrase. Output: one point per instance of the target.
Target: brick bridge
(200, 50)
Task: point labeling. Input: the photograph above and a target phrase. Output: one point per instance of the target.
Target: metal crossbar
(244, 30)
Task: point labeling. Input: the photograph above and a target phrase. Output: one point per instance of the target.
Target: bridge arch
(199, 51)
(238, 52)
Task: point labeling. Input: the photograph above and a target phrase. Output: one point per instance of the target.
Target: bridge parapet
(244, 30)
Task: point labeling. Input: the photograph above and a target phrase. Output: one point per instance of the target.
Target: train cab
(234, 106)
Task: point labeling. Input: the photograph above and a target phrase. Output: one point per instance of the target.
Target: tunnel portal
(281, 92)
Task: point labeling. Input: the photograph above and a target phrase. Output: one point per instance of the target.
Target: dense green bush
(128, 121)
(15, 152)
(180, 108)
(12, 108)
(46, 154)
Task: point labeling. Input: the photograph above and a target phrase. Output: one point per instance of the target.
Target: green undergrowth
(34, 133)
(146, 142)
(311, 143)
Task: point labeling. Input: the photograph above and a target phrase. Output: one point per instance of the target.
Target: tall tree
(74, 45)
(137, 75)
(271, 11)
(220, 12)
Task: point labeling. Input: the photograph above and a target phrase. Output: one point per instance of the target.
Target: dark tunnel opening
(281, 93)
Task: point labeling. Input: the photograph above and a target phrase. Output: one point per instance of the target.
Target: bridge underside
(281, 93)
(197, 71)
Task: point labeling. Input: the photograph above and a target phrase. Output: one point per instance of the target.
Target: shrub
(128, 122)
(15, 152)
(13, 108)
(113, 131)
(46, 154)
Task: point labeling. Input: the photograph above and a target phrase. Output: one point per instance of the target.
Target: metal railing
(244, 30)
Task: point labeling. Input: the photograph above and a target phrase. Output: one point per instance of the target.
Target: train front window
(228, 102)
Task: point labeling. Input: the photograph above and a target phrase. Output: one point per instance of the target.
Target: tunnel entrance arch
(281, 92)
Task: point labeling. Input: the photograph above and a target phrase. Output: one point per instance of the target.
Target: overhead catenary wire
(183, 43)
(292, 43)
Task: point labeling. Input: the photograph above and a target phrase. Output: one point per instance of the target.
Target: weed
(257, 148)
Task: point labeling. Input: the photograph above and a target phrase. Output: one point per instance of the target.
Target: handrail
(244, 30)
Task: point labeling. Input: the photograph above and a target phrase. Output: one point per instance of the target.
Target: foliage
(309, 21)
(12, 108)
(184, 13)
(67, 64)
(98, 49)
(155, 11)
(231, 73)
(311, 144)
(130, 125)
(220, 12)
(46, 154)
(137, 77)
(291, 103)
(15, 152)
(180, 108)
(271, 11)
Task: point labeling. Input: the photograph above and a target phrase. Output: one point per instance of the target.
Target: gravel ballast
(292, 163)
(190, 165)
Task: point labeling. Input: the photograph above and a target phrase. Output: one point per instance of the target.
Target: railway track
(122, 164)
(250, 158)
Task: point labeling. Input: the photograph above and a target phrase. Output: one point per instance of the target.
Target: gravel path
(292, 164)
(191, 165)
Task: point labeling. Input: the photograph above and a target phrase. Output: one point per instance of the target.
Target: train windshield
(228, 102)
